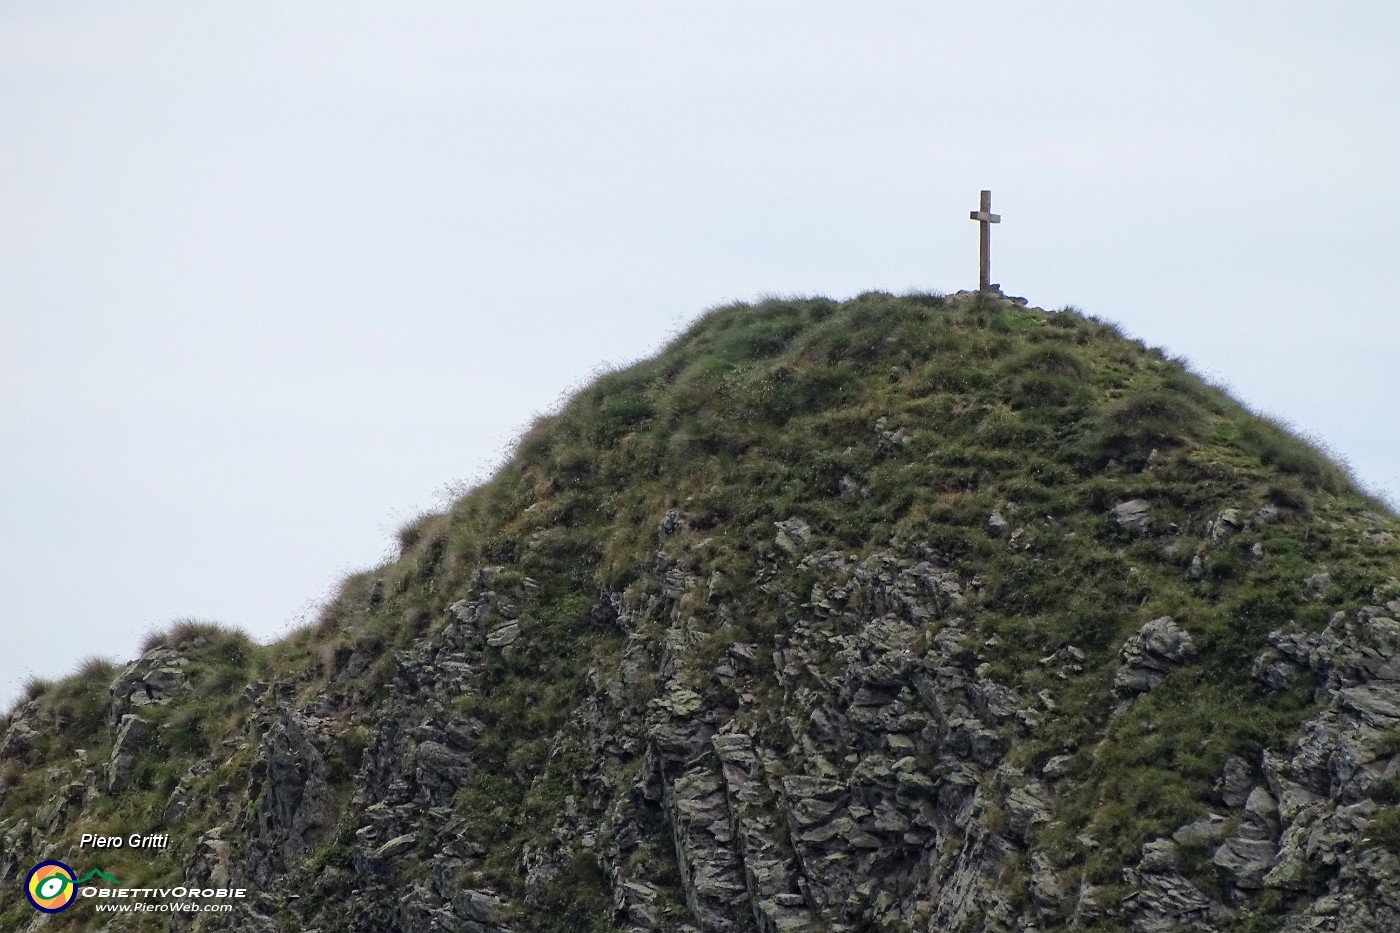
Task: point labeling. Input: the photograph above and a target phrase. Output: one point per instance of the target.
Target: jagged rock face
(1158, 648)
(152, 680)
(942, 640)
(18, 742)
(132, 736)
(294, 803)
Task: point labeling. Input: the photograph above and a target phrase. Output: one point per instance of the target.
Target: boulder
(794, 536)
(154, 679)
(1153, 652)
(1133, 513)
(132, 735)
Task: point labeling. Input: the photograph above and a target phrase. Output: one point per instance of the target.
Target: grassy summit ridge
(991, 440)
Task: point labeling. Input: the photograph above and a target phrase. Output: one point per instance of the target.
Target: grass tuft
(1294, 453)
(35, 686)
(199, 633)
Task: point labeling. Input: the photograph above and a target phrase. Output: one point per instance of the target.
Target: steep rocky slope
(910, 613)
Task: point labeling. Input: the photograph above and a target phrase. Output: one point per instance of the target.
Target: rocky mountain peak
(898, 613)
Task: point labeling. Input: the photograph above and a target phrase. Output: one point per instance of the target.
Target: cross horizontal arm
(985, 217)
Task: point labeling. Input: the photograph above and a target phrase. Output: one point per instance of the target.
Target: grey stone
(1261, 806)
(288, 779)
(394, 849)
(1235, 782)
(19, 739)
(1274, 670)
(132, 736)
(1154, 651)
(1316, 586)
(1025, 808)
(1165, 900)
(1158, 855)
(1207, 829)
(1248, 856)
(1057, 766)
(1133, 513)
(1377, 703)
(897, 439)
(503, 635)
(712, 877)
(673, 523)
(794, 536)
(1226, 523)
(211, 863)
(477, 906)
(154, 679)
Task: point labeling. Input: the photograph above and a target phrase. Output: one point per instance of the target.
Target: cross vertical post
(985, 218)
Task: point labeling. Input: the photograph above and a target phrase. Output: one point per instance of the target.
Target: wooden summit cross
(985, 218)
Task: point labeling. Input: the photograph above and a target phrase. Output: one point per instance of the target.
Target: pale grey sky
(273, 275)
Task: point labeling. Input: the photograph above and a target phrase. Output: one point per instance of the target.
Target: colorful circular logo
(51, 887)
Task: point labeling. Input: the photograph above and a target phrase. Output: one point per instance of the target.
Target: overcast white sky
(273, 275)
